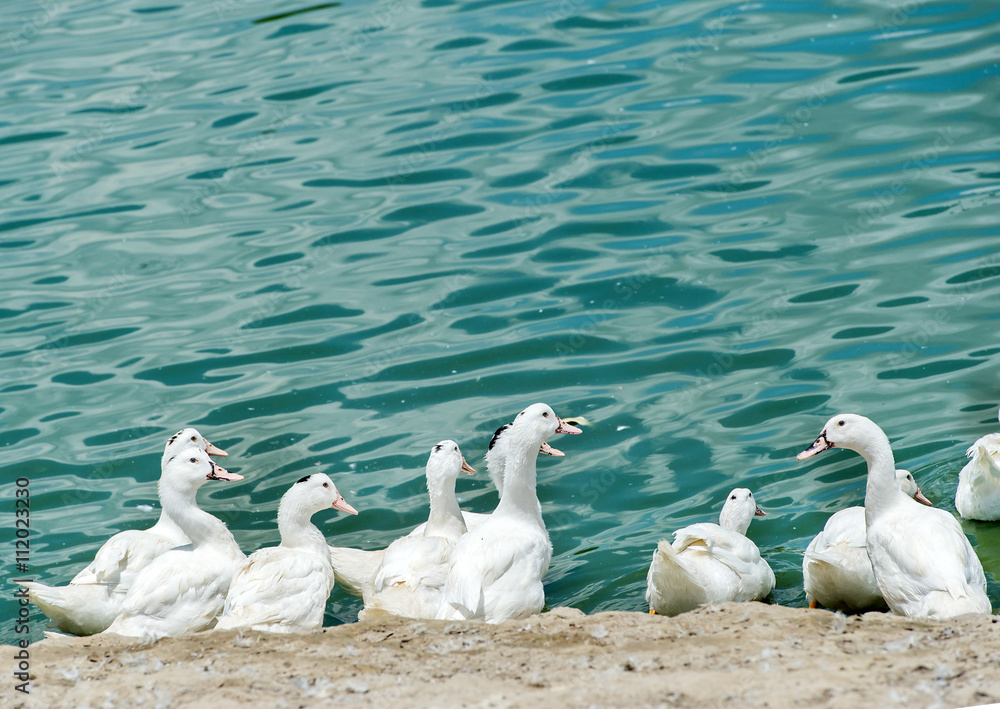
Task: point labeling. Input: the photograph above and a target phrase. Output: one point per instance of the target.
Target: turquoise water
(331, 237)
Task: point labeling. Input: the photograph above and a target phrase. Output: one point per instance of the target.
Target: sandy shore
(730, 655)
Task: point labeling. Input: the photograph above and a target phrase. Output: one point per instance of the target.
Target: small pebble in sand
(355, 686)
(599, 632)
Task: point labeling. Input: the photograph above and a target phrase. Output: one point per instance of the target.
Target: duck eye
(194, 460)
(841, 422)
(326, 484)
(194, 438)
(545, 414)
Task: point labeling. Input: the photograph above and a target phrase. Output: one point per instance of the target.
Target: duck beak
(466, 468)
(341, 504)
(919, 497)
(566, 428)
(214, 450)
(220, 473)
(758, 512)
(546, 449)
(818, 446)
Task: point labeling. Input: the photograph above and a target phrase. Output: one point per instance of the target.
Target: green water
(331, 238)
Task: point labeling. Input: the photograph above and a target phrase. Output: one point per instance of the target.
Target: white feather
(710, 563)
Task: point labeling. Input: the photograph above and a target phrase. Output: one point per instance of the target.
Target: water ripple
(704, 227)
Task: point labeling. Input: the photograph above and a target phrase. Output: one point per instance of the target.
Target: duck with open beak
(563, 427)
(217, 472)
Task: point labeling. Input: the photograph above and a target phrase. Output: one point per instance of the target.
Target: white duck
(414, 568)
(978, 495)
(710, 563)
(93, 598)
(496, 465)
(183, 590)
(355, 569)
(836, 571)
(924, 565)
(496, 462)
(496, 571)
(284, 589)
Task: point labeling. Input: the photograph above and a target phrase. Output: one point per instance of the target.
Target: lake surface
(331, 237)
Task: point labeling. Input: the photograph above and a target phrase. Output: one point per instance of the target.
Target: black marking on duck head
(438, 447)
(302, 480)
(493, 441)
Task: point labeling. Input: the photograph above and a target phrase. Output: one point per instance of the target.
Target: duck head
(540, 421)
(739, 510)
(904, 478)
(446, 462)
(186, 438)
(191, 468)
(311, 494)
(849, 431)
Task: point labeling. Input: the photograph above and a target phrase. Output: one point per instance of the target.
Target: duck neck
(733, 522)
(881, 490)
(202, 528)
(495, 462)
(298, 532)
(166, 527)
(445, 518)
(519, 497)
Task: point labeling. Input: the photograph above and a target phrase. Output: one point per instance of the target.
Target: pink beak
(546, 449)
(220, 473)
(919, 497)
(818, 446)
(214, 450)
(567, 428)
(341, 504)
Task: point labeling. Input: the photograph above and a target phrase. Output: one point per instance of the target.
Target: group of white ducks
(187, 573)
(897, 551)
